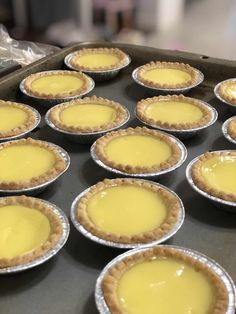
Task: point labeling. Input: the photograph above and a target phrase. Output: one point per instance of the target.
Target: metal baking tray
(66, 283)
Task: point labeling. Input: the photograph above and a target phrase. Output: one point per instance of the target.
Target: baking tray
(65, 284)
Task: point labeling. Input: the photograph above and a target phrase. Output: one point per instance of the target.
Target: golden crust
(143, 104)
(171, 202)
(111, 280)
(103, 141)
(58, 167)
(168, 65)
(202, 184)
(85, 51)
(35, 76)
(27, 125)
(232, 128)
(121, 115)
(55, 234)
(223, 91)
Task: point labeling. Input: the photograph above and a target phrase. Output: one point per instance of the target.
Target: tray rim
(23, 72)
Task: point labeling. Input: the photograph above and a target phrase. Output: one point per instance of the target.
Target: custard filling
(113, 209)
(87, 115)
(220, 173)
(164, 286)
(166, 76)
(23, 162)
(57, 83)
(137, 150)
(231, 89)
(173, 112)
(97, 60)
(22, 229)
(11, 118)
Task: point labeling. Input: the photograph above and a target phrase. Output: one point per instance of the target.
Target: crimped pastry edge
(85, 51)
(27, 125)
(100, 144)
(144, 103)
(171, 65)
(58, 167)
(55, 234)
(111, 279)
(120, 117)
(172, 203)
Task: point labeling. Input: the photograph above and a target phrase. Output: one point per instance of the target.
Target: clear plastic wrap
(23, 52)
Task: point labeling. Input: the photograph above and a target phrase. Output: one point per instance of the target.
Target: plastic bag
(23, 52)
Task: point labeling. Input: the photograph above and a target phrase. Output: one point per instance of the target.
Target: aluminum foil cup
(89, 235)
(147, 175)
(23, 134)
(225, 130)
(84, 138)
(218, 202)
(231, 107)
(40, 187)
(181, 133)
(219, 271)
(53, 251)
(98, 75)
(166, 91)
(50, 102)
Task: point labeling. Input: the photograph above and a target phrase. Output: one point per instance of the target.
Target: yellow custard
(137, 150)
(167, 76)
(57, 83)
(11, 118)
(173, 112)
(97, 60)
(126, 210)
(165, 286)
(220, 173)
(231, 89)
(87, 115)
(22, 162)
(22, 229)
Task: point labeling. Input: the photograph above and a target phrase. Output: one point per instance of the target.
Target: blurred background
(201, 26)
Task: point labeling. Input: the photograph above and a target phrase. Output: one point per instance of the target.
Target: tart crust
(27, 125)
(58, 167)
(110, 281)
(121, 115)
(171, 202)
(223, 92)
(202, 184)
(103, 141)
(55, 226)
(232, 128)
(143, 104)
(168, 65)
(85, 51)
(32, 77)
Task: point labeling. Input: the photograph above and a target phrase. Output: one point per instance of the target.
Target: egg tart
(174, 112)
(227, 90)
(28, 229)
(215, 173)
(168, 75)
(163, 280)
(87, 115)
(107, 209)
(56, 84)
(138, 150)
(232, 128)
(98, 59)
(16, 118)
(27, 163)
